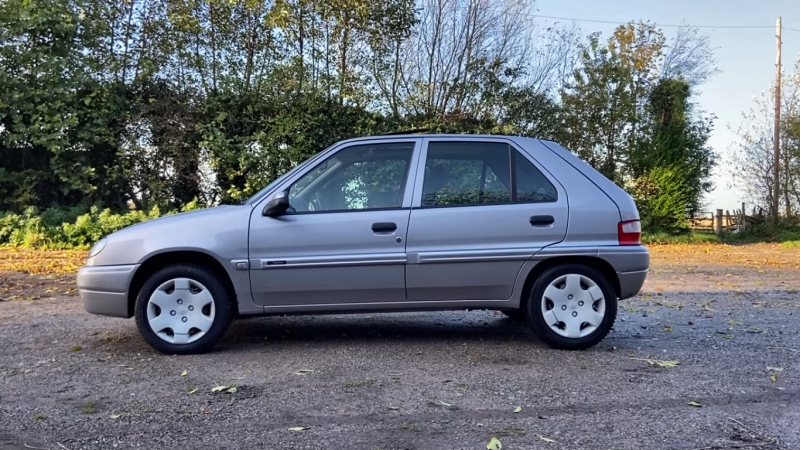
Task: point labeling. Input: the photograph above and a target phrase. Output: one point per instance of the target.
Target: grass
(689, 238)
(88, 407)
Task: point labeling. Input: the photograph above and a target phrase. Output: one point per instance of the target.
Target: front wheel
(183, 309)
(572, 307)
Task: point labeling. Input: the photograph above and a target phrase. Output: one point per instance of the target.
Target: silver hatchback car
(387, 223)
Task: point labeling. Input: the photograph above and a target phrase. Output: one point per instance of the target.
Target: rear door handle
(541, 221)
(384, 227)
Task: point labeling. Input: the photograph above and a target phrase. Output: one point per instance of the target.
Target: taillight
(630, 232)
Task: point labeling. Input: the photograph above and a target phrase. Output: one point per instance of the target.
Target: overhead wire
(664, 25)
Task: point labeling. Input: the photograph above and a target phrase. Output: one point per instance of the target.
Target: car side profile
(387, 223)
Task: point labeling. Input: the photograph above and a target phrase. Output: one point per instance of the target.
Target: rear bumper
(104, 289)
(631, 264)
(630, 283)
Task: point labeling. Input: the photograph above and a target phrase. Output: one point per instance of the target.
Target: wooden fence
(725, 220)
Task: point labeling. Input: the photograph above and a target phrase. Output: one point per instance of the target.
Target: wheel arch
(158, 261)
(597, 263)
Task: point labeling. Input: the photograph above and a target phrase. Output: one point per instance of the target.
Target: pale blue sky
(746, 57)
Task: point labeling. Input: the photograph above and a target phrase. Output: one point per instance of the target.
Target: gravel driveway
(449, 380)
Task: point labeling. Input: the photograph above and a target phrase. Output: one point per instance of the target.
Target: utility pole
(776, 190)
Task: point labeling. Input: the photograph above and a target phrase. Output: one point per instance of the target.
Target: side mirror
(278, 205)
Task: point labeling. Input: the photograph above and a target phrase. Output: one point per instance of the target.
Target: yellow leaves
(658, 362)
(695, 404)
(297, 428)
(774, 378)
(117, 416)
(547, 439)
(494, 444)
(184, 373)
(41, 261)
(667, 328)
(518, 409)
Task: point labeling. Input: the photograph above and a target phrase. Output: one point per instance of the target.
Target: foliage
(149, 104)
(661, 198)
(31, 231)
(782, 230)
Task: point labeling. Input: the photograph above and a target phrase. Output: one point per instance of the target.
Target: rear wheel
(183, 309)
(572, 307)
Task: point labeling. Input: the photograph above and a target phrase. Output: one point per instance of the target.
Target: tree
(603, 102)
(753, 155)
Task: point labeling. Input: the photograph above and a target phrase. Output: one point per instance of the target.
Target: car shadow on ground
(367, 328)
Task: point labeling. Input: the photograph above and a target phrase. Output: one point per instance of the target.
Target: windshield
(279, 180)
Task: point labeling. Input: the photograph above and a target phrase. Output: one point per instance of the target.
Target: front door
(481, 209)
(343, 239)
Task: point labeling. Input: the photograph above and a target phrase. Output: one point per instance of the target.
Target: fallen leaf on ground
(694, 404)
(667, 328)
(445, 404)
(231, 390)
(117, 416)
(547, 439)
(304, 372)
(775, 369)
(296, 428)
(394, 408)
(494, 444)
(774, 378)
(184, 373)
(192, 391)
(518, 409)
(219, 388)
(659, 363)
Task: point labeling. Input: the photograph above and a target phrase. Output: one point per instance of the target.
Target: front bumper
(104, 289)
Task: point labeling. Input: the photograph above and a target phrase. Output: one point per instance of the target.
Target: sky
(745, 57)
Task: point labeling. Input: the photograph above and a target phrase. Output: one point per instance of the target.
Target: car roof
(429, 135)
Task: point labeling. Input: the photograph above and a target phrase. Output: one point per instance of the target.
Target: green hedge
(32, 230)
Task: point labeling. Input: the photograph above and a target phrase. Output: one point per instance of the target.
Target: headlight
(98, 247)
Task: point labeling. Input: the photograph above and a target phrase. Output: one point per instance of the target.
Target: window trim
(513, 150)
(404, 198)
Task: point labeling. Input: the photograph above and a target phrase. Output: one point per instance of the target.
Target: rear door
(481, 208)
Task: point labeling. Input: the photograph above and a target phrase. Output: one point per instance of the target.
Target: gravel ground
(448, 380)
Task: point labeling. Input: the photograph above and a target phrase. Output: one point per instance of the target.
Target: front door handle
(541, 221)
(384, 227)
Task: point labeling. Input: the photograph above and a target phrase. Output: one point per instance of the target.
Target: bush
(661, 197)
(784, 230)
(33, 231)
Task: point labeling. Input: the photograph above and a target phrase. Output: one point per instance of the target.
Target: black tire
(223, 308)
(516, 315)
(533, 309)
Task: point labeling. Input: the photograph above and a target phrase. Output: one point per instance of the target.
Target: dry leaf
(693, 403)
(231, 390)
(667, 328)
(518, 409)
(546, 439)
(774, 378)
(296, 428)
(184, 373)
(304, 372)
(192, 391)
(659, 363)
(219, 388)
(775, 369)
(394, 408)
(445, 404)
(494, 444)
(117, 416)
